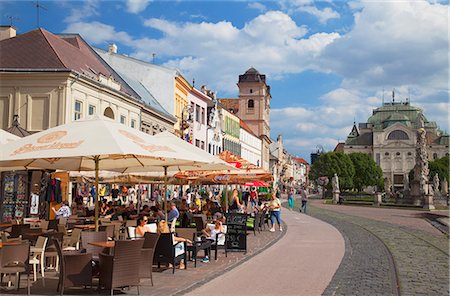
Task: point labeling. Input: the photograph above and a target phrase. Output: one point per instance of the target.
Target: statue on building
(335, 183)
(436, 183)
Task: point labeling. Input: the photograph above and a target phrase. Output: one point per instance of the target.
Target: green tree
(367, 172)
(331, 163)
(441, 167)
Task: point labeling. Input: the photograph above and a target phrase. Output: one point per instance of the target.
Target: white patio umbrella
(6, 137)
(98, 143)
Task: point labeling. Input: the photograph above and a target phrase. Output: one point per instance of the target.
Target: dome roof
(252, 71)
(397, 117)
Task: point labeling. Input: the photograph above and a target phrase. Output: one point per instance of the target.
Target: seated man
(173, 213)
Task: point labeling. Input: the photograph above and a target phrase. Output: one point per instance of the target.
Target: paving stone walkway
(420, 264)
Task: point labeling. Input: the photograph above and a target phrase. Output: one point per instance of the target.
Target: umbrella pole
(226, 197)
(97, 160)
(165, 192)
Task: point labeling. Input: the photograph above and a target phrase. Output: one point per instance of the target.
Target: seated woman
(179, 248)
(211, 233)
(141, 229)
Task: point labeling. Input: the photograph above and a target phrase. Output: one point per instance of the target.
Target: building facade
(199, 126)
(49, 80)
(250, 145)
(215, 131)
(253, 107)
(163, 91)
(231, 128)
(389, 136)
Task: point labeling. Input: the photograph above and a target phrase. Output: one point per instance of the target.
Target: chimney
(112, 48)
(7, 32)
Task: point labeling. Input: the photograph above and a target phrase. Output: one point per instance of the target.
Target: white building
(198, 102)
(251, 145)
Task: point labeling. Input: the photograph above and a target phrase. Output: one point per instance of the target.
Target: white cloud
(393, 44)
(137, 6)
(323, 15)
(217, 53)
(258, 6)
(78, 13)
(98, 33)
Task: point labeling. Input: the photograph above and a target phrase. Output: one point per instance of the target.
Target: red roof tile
(230, 104)
(40, 49)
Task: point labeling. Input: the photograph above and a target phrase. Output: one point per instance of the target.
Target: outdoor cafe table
(5, 225)
(196, 246)
(85, 226)
(9, 243)
(105, 245)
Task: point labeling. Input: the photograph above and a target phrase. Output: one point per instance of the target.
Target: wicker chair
(37, 253)
(14, 259)
(220, 243)
(75, 269)
(200, 221)
(109, 229)
(50, 250)
(147, 255)
(165, 251)
(92, 236)
(119, 270)
(72, 242)
(18, 229)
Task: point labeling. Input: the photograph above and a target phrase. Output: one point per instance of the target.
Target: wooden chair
(119, 270)
(75, 269)
(14, 259)
(165, 251)
(147, 255)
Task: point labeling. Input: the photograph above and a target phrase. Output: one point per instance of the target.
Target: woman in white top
(275, 207)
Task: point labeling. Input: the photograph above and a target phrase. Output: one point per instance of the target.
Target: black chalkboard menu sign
(236, 237)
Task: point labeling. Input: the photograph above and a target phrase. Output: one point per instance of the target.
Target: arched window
(398, 135)
(109, 113)
(251, 104)
(435, 156)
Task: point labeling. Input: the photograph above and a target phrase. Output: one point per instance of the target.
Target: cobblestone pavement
(379, 253)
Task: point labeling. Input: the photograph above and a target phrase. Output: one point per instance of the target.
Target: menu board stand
(236, 236)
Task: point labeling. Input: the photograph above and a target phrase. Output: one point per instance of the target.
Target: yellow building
(48, 80)
(181, 106)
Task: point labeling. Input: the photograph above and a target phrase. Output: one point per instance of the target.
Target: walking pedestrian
(304, 200)
(275, 207)
(291, 199)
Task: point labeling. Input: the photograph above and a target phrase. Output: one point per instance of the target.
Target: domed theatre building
(389, 136)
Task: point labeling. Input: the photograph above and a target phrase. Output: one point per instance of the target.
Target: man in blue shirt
(173, 213)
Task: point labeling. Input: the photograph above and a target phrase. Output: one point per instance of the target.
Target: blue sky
(327, 62)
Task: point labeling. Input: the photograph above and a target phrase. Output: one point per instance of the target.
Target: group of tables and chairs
(79, 254)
